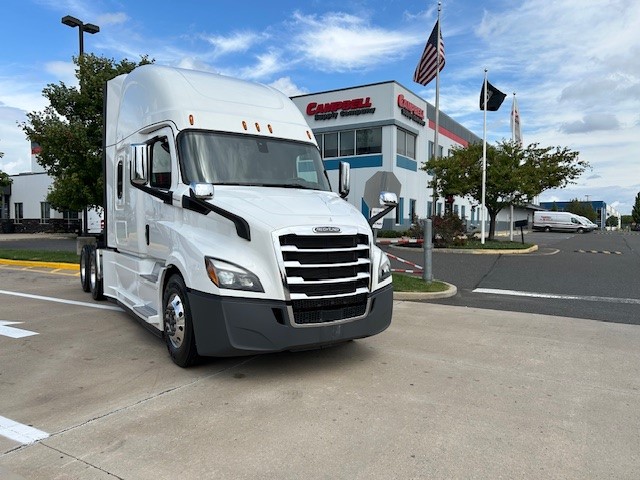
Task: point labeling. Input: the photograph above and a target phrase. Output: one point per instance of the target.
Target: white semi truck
(221, 230)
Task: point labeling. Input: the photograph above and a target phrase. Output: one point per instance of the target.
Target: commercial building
(385, 132)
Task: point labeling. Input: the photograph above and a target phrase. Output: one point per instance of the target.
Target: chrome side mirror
(343, 179)
(139, 163)
(388, 199)
(201, 190)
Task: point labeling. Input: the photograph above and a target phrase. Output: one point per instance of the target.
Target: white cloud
(286, 86)
(65, 71)
(115, 18)
(234, 43)
(342, 42)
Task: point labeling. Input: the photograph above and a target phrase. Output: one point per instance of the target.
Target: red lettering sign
(407, 105)
(353, 104)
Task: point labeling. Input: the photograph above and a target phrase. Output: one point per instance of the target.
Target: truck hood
(277, 208)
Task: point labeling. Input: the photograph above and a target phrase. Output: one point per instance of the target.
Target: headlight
(228, 275)
(384, 271)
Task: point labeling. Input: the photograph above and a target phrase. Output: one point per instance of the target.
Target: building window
(399, 212)
(347, 143)
(439, 208)
(369, 140)
(70, 216)
(440, 150)
(402, 142)
(19, 215)
(429, 209)
(406, 143)
(45, 212)
(412, 211)
(456, 210)
(319, 140)
(330, 145)
(463, 211)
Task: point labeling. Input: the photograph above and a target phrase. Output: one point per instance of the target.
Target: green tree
(4, 178)
(635, 211)
(584, 209)
(612, 221)
(627, 220)
(514, 174)
(69, 131)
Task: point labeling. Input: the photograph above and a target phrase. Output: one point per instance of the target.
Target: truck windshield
(233, 159)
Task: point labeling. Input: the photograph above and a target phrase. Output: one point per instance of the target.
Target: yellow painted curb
(30, 263)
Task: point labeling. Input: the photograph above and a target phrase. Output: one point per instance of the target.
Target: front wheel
(178, 327)
(547, 229)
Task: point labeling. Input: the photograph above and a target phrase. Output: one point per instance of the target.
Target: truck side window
(160, 165)
(119, 180)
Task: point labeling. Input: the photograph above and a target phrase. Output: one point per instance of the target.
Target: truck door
(159, 213)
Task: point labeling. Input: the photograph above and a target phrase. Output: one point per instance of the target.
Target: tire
(95, 282)
(178, 326)
(85, 258)
(581, 230)
(547, 229)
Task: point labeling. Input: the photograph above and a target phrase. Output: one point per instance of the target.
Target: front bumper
(225, 326)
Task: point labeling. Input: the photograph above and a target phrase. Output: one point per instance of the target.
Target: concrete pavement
(445, 392)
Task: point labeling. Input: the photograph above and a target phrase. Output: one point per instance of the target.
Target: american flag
(428, 64)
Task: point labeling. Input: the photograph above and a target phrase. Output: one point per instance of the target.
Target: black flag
(494, 98)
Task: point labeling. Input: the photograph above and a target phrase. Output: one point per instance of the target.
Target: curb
(30, 263)
(425, 296)
(470, 251)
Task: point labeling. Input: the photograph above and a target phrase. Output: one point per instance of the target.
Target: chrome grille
(328, 276)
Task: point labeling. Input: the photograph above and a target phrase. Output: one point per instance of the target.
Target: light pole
(82, 27)
(89, 28)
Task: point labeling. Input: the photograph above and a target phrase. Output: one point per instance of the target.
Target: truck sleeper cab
(221, 230)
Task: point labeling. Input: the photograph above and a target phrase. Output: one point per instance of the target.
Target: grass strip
(492, 245)
(39, 255)
(408, 283)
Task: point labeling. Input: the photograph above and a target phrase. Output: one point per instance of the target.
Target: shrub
(448, 230)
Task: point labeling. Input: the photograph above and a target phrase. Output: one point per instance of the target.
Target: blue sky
(574, 64)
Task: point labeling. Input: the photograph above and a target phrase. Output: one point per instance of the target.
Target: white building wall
(31, 189)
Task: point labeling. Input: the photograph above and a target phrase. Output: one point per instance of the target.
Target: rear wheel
(95, 282)
(85, 256)
(581, 230)
(547, 229)
(178, 326)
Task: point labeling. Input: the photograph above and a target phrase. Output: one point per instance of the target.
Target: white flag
(516, 132)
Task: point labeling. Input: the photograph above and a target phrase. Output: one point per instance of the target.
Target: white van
(559, 221)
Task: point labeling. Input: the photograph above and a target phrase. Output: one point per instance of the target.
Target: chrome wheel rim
(174, 320)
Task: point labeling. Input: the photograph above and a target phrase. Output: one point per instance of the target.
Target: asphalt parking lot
(445, 392)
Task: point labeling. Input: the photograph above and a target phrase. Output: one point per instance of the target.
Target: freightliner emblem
(326, 230)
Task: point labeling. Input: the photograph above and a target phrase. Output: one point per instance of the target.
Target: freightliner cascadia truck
(221, 230)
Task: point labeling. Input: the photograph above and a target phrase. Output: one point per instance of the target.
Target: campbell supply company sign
(344, 108)
(410, 110)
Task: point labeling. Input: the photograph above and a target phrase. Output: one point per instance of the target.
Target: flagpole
(513, 137)
(484, 158)
(437, 119)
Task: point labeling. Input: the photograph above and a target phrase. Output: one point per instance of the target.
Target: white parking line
(13, 332)
(588, 298)
(62, 300)
(20, 433)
